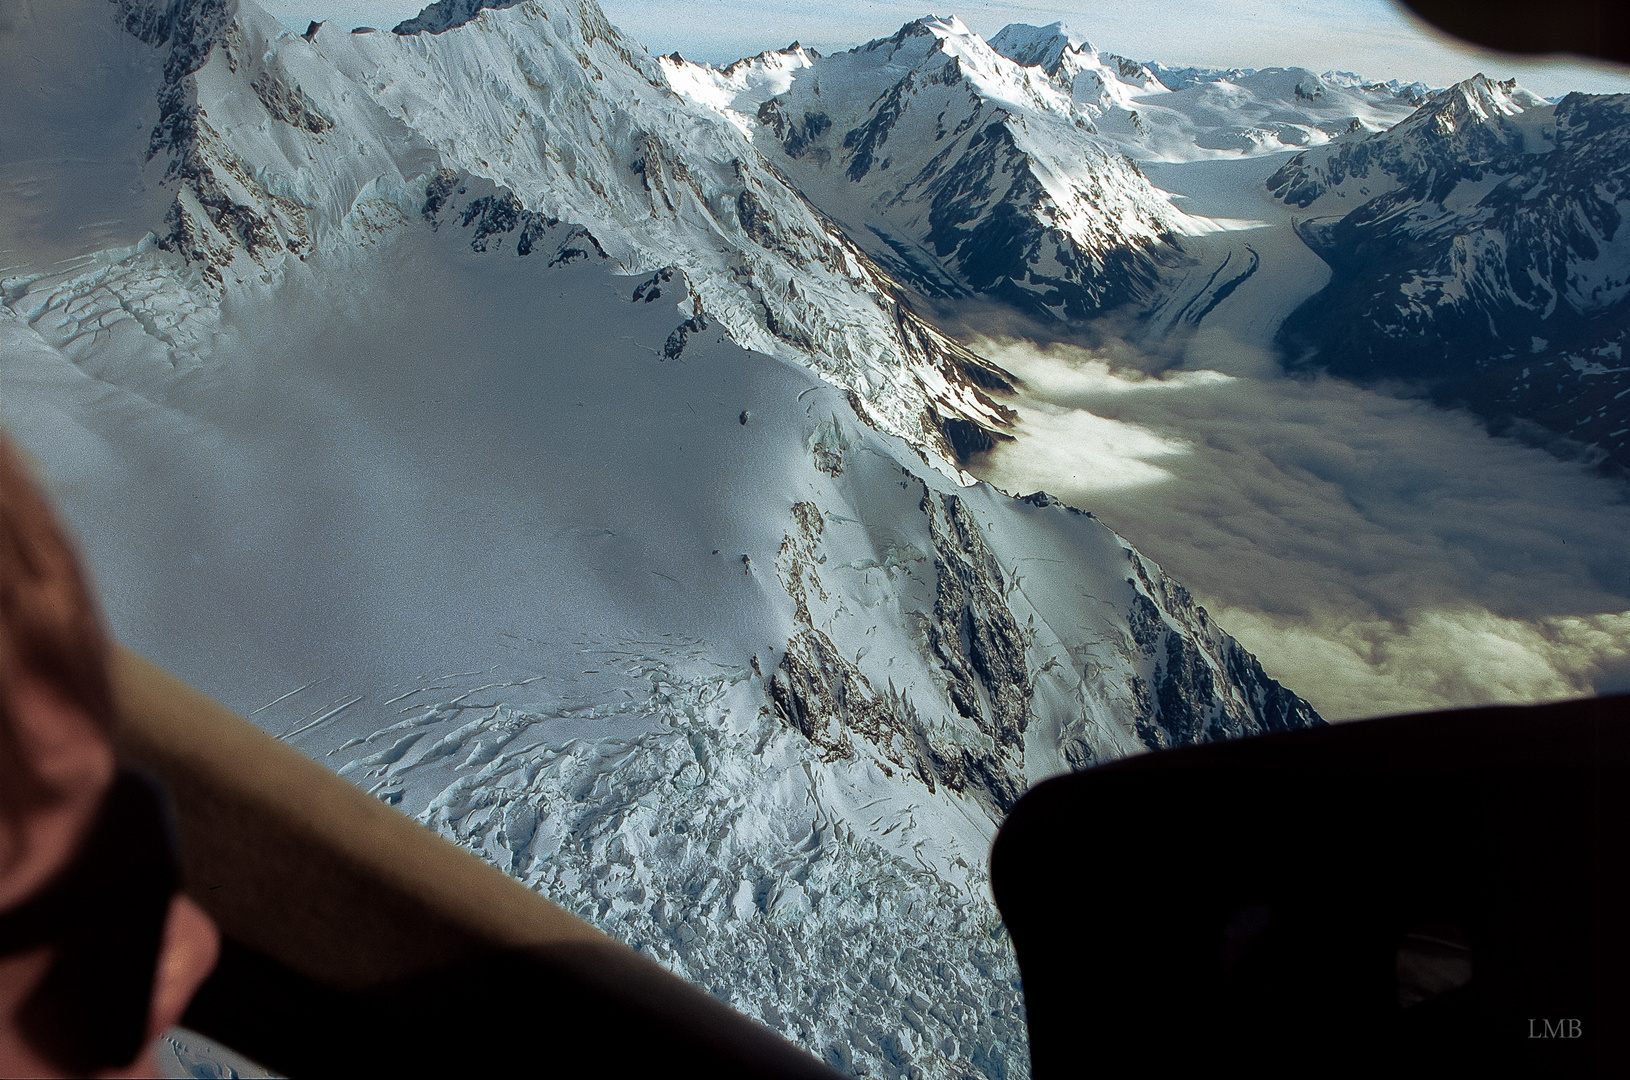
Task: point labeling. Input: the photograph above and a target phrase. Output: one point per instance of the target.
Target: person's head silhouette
(99, 951)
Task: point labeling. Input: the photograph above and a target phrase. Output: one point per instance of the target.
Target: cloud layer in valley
(1379, 554)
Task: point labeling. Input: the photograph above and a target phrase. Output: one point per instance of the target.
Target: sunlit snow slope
(397, 435)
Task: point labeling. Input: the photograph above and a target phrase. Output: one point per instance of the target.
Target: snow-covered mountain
(1155, 113)
(1182, 78)
(1478, 248)
(1472, 124)
(478, 415)
(959, 169)
(1015, 169)
(1098, 81)
(578, 125)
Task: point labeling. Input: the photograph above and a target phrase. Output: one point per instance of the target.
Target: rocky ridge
(729, 670)
(1478, 252)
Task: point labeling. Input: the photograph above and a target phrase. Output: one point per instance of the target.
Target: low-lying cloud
(1378, 554)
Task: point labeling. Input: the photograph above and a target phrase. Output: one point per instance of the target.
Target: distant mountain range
(1010, 169)
(1471, 236)
(915, 147)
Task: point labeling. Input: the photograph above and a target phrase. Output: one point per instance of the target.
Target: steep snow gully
(499, 428)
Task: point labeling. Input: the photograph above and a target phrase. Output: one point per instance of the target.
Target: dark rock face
(566, 252)
(796, 138)
(210, 236)
(1459, 133)
(1042, 498)
(988, 219)
(492, 214)
(819, 692)
(754, 221)
(651, 288)
(675, 345)
(968, 440)
(445, 15)
(190, 28)
(971, 635)
(1493, 272)
(974, 634)
(290, 105)
(497, 213)
(1204, 685)
(442, 186)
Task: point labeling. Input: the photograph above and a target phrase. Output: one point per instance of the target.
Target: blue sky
(1371, 37)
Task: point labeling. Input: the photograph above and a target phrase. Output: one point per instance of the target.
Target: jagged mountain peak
(794, 55)
(958, 168)
(445, 15)
(1475, 123)
(931, 147)
(1478, 248)
(1095, 82)
(1478, 104)
(925, 44)
(1039, 46)
(1487, 96)
(935, 26)
(1486, 110)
